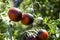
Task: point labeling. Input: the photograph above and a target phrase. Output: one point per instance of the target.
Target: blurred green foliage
(49, 10)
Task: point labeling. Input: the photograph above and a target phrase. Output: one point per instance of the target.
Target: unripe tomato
(27, 19)
(14, 14)
(39, 20)
(42, 35)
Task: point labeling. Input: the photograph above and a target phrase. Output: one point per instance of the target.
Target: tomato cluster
(16, 15)
(26, 19)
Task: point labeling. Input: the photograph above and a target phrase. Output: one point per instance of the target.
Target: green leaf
(52, 29)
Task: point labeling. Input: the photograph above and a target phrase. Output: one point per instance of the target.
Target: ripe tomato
(14, 14)
(42, 35)
(27, 19)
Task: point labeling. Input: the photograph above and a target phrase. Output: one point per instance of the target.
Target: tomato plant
(27, 23)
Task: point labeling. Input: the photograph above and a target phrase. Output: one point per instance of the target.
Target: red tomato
(14, 14)
(27, 19)
(42, 35)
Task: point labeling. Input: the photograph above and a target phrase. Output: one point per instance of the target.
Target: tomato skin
(14, 14)
(42, 35)
(27, 19)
